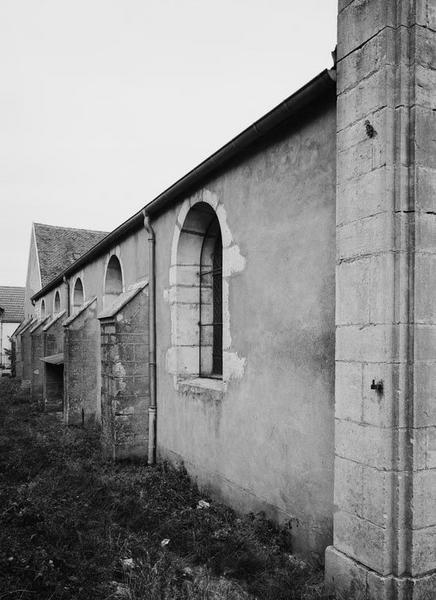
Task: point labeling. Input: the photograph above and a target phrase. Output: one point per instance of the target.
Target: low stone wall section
(53, 373)
(24, 368)
(36, 354)
(125, 381)
(81, 362)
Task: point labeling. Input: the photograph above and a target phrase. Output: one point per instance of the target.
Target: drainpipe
(1, 339)
(152, 339)
(65, 280)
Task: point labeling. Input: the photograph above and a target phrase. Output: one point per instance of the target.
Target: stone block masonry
(82, 365)
(125, 386)
(385, 526)
(25, 369)
(53, 364)
(37, 367)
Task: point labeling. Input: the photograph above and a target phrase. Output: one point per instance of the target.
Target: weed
(74, 526)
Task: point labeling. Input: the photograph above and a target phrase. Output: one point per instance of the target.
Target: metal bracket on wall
(378, 387)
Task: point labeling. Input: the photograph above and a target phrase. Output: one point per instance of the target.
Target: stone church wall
(125, 386)
(53, 374)
(262, 438)
(37, 367)
(26, 358)
(18, 349)
(81, 354)
(328, 252)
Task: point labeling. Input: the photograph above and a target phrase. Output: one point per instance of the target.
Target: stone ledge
(202, 385)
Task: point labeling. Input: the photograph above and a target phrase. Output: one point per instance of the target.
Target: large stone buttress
(385, 417)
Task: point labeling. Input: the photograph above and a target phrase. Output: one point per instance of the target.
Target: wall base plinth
(351, 580)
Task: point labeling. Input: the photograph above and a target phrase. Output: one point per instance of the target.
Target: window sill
(202, 384)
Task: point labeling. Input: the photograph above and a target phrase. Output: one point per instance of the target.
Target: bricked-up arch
(78, 295)
(57, 303)
(113, 284)
(198, 294)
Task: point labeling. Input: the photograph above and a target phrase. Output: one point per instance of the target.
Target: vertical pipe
(65, 402)
(152, 339)
(68, 295)
(1, 340)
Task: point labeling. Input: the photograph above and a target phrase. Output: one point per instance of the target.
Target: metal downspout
(65, 280)
(152, 339)
(65, 399)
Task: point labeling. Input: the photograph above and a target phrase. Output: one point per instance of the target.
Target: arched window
(78, 296)
(113, 284)
(197, 312)
(57, 303)
(43, 309)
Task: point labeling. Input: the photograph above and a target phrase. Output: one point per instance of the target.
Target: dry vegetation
(74, 526)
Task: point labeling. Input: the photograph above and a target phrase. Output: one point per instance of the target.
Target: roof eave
(302, 98)
(305, 96)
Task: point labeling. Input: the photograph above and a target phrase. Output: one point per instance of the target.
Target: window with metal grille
(211, 304)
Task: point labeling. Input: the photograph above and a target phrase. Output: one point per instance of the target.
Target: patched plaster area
(182, 358)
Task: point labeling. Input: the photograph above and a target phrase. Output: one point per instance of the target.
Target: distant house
(11, 315)
(53, 249)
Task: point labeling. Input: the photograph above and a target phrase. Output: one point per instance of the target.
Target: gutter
(322, 84)
(315, 89)
(67, 294)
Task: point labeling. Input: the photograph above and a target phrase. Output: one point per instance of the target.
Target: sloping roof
(39, 323)
(60, 247)
(54, 359)
(322, 87)
(12, 303)
(81, 310)
(54, 319)
(21, 327)
(122, 300)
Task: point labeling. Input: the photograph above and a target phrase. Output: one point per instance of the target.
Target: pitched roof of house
(60, 247)
(11, 303)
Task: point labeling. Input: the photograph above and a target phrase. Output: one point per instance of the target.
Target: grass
(75, 526)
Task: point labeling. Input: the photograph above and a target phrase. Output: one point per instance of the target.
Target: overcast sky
(105, 103)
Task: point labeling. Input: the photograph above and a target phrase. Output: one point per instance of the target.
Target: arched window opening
(42, 309)
(78, 296)
(211, 303)
(196, 312)
(57, 303)
(113, 285)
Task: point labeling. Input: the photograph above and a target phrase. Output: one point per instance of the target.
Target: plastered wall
(263, 439)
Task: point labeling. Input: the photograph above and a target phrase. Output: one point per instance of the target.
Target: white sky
(105, 103)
